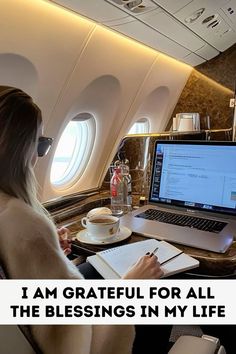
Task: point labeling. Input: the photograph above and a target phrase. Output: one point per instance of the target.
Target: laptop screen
(198, 175)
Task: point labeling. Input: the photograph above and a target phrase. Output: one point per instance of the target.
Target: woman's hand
(147, 267)
(65, 243)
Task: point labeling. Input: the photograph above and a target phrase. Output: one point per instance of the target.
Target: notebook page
(123, 257)
(166, 251)
(120, 259)
(183, 263)
(102, 267)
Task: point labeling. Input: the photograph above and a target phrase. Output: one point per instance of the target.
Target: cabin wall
(69, 65)
(209, 89)
(221, 68)
(139, 150)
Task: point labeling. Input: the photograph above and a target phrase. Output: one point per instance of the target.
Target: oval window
(140, 127)
(73, 150)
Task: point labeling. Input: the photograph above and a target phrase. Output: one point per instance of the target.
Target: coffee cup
(101, 226)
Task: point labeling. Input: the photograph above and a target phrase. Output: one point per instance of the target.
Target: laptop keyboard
(183, 220)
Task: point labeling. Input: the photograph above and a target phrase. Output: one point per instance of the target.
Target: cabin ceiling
(191, 31)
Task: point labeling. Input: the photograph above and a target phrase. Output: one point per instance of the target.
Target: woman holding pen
(29, 243)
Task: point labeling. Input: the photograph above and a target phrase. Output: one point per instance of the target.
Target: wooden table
(211, 264)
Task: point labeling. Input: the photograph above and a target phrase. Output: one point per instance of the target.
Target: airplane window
(73, 151)
(140, 127)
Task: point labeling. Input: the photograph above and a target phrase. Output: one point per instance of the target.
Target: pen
(152, 253)
(170, 259)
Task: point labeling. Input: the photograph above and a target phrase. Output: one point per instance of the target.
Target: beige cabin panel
(49, 38)
(153, 107)
(157, 96)
(138, 71)
(18, 71)
(101, 100)
(106, 55)
(160, 92)
(75, 66)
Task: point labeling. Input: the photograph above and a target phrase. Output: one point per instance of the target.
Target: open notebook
(115, 262)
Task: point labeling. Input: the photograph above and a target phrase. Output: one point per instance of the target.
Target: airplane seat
(197, 345)
(28, 336)
(16, 339)
(13, 341)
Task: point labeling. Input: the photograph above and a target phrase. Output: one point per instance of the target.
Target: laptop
(192, 199)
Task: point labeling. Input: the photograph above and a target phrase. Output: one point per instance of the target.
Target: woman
(29, 244)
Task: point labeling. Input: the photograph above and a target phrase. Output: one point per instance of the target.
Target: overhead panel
(152, 15)
(228, 12)
(176, 27)
(117, 22)
(134, 7)
(204, 18)
(172, 5)
(152, 38)
(98, 10)
(207, 52)
(193, 59)
(171, 28)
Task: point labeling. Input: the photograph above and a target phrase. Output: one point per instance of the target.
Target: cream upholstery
(13, 341)
(197, 345)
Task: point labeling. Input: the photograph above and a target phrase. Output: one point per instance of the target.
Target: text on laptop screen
(195, 175)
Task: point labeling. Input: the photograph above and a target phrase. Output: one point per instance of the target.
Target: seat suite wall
(209, 89)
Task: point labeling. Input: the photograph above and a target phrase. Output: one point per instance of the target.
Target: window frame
(82, 150)
(144, 121)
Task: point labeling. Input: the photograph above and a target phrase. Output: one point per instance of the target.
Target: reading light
(208, 19)
(132, 4)
(192, 18)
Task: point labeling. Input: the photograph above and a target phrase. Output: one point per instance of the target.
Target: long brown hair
(20, 119)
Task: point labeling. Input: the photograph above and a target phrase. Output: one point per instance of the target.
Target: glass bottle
(116, 188)
(127, 186)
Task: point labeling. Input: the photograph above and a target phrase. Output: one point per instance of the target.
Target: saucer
(123, 234)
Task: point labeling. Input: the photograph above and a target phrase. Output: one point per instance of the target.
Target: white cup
(100, 226)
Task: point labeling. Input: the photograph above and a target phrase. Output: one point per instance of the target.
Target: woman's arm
(30, 247)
